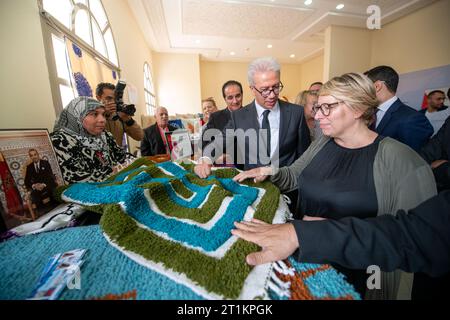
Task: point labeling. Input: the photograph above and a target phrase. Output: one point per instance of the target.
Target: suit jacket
(414, 242)
(293, 138)
(438, 148)
(406, 125)
(153, 144)
(45, 175)
(217, 120)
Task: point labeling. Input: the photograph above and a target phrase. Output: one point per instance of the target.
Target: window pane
(61, 10)
(99, 13)
(59, 51)
(82, 26)
(111, 47)
(99, 43)
(66, 94)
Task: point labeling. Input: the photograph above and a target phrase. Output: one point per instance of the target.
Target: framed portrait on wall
(29, 175)
(179, 143)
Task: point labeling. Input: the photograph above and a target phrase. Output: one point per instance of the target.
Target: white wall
(177, 82)
(26, 100)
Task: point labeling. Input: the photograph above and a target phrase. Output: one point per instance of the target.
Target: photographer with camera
(118, 115)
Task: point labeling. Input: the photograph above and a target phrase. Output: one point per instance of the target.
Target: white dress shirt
(274, 121)
(383, 108)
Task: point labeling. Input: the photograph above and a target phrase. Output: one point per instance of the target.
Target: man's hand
(110, 107)
(203, 170)
(258, 174)
(437, 163)
(38, 186)
(278, 241)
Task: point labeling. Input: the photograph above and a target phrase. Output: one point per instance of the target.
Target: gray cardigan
(402, 180)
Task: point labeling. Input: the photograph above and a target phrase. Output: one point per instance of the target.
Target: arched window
(81, 48)
(88, 21)
(150, 97)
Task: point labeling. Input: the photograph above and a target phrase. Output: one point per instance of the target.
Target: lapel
(159, 141)
(253, 116)
(388, 115)
(285, 118)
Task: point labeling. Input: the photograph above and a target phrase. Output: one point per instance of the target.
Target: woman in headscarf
(85, 151)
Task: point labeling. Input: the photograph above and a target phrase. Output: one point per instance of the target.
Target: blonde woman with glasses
(350, 171)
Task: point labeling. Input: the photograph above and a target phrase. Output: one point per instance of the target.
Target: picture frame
(179, 143)
(29, 175)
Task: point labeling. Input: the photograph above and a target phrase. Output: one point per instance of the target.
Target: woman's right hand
(258, 174)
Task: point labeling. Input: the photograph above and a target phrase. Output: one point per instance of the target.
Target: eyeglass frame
(316, 107)
(280, 88)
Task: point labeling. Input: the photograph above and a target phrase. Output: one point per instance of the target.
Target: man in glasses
(267, 131)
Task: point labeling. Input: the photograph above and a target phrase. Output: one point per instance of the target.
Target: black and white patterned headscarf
(71, 119)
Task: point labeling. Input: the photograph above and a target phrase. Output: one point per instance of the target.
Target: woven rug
(168, 225)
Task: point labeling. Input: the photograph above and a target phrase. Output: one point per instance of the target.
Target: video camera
(128, 109)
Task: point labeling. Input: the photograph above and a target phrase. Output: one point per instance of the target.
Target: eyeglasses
(325, 108)
(265, 92)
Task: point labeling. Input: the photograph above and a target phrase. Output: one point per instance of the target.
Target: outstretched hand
(258, 174)
(203, 170)
(278, 241)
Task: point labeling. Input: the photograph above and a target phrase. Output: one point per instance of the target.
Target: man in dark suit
(154, 141)
(267, 131)
(39, 180)
(395, 119)
(232, 94)
(436, 152)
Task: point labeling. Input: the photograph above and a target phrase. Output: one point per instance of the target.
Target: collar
(387, 104)
(260, 110)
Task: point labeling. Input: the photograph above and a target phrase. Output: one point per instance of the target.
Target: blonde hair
(210, 99)
(356, 90)
(302, 95)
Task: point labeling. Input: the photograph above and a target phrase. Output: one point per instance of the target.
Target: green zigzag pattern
(222, 276)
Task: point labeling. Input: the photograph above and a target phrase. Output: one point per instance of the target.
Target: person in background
(208, 107)
(307, 99)
(125, 123)
(393, 118)
(352, 171)
(436, 152)
(232, 94)
(436, 112)
(85, 151)
(315, 86)
(154, 141)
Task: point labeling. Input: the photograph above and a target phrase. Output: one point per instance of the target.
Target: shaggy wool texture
(171, 227)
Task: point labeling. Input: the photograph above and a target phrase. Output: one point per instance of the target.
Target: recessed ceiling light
(269, 46)
(292, 56)
(197, 41)
(308, 2)
(232, 53)
(340, 6)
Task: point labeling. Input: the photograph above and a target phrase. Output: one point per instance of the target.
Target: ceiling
(241, 30)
